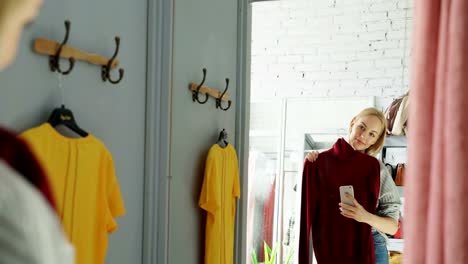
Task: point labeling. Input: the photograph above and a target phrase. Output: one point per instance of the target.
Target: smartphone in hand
(343, 191)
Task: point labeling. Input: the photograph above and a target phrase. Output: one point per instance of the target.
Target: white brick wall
(331, 48)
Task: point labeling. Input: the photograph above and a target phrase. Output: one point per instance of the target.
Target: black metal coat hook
(219, 99)
(54, 59)
(105, 69)
(195, 93)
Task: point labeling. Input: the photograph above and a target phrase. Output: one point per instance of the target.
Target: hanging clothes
(401, 118)
(268, 221)
(18, 156)
(335, 238)
(219, 190)
(30, 231)
(83, 180)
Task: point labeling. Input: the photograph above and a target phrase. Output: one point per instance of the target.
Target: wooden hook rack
(210, 91)
(220, 96)
(49, 47)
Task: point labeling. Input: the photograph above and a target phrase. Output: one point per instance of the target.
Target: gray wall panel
(205, 35)
(113, 113)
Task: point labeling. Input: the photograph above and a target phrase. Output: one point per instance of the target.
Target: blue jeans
(381, 252)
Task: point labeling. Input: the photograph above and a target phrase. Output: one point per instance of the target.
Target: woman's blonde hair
(371, 111)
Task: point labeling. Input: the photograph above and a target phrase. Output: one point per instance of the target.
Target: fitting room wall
(114, 113)
(203, 34)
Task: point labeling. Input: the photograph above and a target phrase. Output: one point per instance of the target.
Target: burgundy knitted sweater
(17, 155)
(335, 238)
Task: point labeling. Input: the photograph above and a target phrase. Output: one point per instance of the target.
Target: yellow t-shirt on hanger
(218, 197)
(81, 174)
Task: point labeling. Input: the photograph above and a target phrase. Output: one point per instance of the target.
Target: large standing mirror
(315, 64)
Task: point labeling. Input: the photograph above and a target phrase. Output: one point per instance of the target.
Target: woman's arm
(384, 224)
(388, 210)
(389, 198)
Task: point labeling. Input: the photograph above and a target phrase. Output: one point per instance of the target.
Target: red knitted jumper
(335, 238)
(17, 155)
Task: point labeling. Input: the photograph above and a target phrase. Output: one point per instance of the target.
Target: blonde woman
(367, 135)
(30, 231)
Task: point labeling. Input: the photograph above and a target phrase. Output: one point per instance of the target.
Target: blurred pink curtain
(436, 208)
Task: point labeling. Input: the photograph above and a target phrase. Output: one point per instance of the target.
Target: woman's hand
(312, 155)
(387, 225)
(355, 211)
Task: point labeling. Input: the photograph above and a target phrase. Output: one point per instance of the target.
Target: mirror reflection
(315, 66)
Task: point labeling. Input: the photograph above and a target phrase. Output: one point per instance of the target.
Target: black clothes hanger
(64, 116)
(222, 139)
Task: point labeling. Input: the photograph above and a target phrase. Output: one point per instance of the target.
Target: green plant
(290, 255)
(270, 255)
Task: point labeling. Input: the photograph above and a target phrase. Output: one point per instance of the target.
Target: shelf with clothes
(394, 156)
